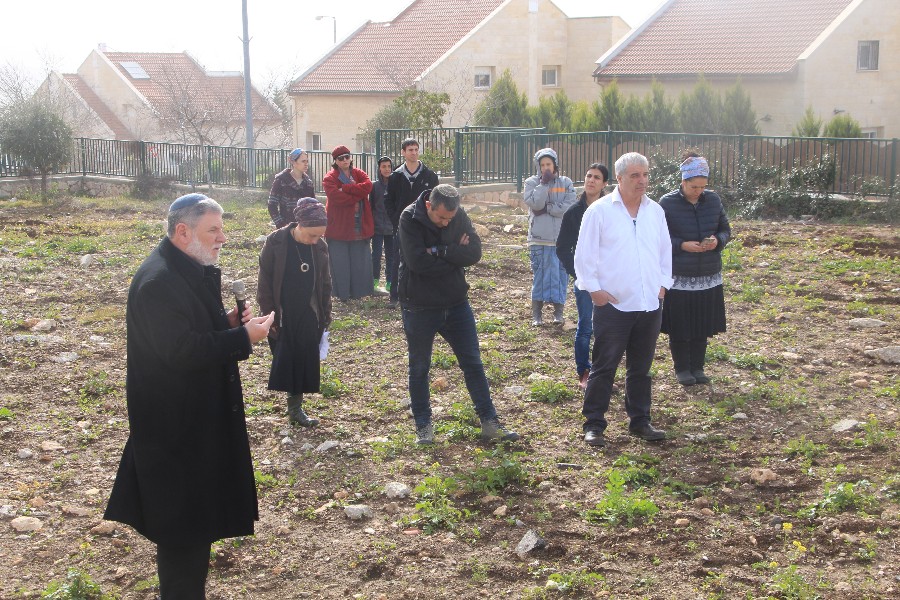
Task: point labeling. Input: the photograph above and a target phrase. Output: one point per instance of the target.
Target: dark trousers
(392, 268)
(616, 333)
(689, 355)
(182, 571)
(380, 241)
(456, 325)
(585, 329)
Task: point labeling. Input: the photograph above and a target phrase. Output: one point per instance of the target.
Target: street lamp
(334, 19)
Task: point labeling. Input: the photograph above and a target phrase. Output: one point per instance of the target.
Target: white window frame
(481, 72)
(550, 69)
(315, 140)
(867, 55)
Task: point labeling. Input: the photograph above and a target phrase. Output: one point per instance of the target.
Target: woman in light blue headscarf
(548, 195)
(694, 307)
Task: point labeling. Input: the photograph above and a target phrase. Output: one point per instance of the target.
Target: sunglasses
(343, 157)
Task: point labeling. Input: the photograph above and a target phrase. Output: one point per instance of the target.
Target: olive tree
(33, 133)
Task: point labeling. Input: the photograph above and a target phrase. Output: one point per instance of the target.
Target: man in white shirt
(624, 259)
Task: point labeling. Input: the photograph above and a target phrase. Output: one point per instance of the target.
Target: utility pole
(248, 101)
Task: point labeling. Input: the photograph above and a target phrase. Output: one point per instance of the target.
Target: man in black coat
(185, 478)
(405, 185)
(437, 243)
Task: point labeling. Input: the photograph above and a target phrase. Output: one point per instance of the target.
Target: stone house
(162, 97)
(837, 56)
(455, 46)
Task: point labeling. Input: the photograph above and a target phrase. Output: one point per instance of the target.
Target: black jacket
(186, 475)
(691, 223)
(401, 193)
(436, 279)
(568, 233)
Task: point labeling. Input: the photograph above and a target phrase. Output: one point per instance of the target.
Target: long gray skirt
(351, 269)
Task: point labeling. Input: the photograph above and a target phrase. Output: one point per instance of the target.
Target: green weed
(349, 322)
(842, 497)
(790, 585)
(435, 510)
(462, 423)
(805, 448)
(874, 436)
(550, 392)
(330, 384)
(495, 470)
(5, 413)
(638, 470)
(443, 360)
(95, 388)
(489, 324)
(619, 507)
(77, 586)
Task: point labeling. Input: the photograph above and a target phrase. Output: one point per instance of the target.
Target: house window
(314, 141)
(867, 56)
(484, 77)
(550, 76)
(871, 132)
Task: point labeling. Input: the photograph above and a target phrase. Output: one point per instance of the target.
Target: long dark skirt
(692, 315)
(295, 355)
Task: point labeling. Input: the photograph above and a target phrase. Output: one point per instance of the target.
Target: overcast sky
(285, 36)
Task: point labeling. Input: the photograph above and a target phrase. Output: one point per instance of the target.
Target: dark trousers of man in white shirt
(633, 334)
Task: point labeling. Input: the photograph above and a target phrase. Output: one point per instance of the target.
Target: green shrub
(495, 470)
(77, 586)
(330, 385)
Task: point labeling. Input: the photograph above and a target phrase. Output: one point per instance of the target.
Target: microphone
(240, 296)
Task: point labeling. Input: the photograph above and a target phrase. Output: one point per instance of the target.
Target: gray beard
(196, 251)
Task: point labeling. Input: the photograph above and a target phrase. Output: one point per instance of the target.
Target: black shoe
(299, 417)
(393, 303)
(700, 376)
(685, 378)
(594, 437)
(648, 432)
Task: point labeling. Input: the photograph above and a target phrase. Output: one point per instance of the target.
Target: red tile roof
(100, 109)
(728, 37)
(176, 74)
(388, 57)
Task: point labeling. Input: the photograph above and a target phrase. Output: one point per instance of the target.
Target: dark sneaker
(425, 435)
(648, 432)
(594, 437)
(685, 378)
(493, 431)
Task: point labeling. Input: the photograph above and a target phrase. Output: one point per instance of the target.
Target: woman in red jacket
(350, 227)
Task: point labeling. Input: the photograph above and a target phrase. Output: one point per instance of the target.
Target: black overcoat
(186, 475)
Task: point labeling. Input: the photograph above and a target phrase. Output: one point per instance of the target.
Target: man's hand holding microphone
(257, 327)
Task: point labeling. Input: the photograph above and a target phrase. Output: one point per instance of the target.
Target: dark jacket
(401, 193)
(438, 279)
(284, 195)
(383, 223)
(271, 277)
(568, 233)
(691, 223)
(348, 209)
(186, 475)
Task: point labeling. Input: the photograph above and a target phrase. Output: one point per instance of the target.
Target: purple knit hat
(310, 213)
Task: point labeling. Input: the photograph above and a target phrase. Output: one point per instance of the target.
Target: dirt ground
(758, 492)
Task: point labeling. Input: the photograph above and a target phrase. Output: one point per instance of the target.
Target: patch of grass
(842, 497)
(461, 423)
(494, 367)
(5, 414)
(805, 448)
(330, 384)
(522, 335)
(874, 436)
(77, 586)
(619, 507)
(495, 470)
(860, 308)
(889, 391)
(397, 445)
(790, 585)
(443, 360)
(549, 392)
(489, 324)
(576, 582)
(349, 322)
(264, 480)
(750, 293)
(732, 259)
(638, 470)
(435, 510)
(95, 388)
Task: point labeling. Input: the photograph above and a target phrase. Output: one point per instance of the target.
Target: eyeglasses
(343, 157)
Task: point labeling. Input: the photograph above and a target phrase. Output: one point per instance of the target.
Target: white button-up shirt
(629, 258)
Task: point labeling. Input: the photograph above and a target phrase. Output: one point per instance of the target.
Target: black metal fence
(190, 164)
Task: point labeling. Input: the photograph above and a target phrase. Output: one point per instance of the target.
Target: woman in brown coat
(295, 282)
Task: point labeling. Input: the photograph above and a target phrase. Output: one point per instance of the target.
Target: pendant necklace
(304, 266)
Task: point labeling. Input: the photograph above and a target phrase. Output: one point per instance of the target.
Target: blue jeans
(585, 329)
(387, 242)
(616, 333)
(457, 326)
